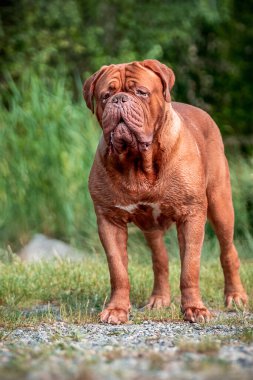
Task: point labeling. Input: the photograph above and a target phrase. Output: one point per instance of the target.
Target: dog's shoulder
(197, 121)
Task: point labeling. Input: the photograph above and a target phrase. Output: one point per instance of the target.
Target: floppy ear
(89, 87)
(166, 75)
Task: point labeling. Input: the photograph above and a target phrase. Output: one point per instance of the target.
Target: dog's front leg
(114, 240)
(160, 296)
(191, 236)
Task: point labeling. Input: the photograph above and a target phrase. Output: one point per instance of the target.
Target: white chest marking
(156, 211)
(197, 148)
(176, 123)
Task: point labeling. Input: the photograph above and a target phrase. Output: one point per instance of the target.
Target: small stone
(43, 248)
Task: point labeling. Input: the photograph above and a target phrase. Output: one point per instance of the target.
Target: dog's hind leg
(160, 296)
(190, 237)
(221, 216)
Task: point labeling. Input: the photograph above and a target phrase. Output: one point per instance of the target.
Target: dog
(158, 162)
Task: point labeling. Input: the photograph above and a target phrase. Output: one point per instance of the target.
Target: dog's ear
(89, 87)
(166, 75)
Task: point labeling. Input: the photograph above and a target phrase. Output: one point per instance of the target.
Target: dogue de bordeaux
(158, 162)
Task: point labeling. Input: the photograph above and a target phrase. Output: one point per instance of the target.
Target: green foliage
(207, 43)
(47, 145)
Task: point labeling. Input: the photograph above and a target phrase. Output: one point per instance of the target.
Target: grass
(206, 345)
(245, 336)
(47, 144)
(76, 292)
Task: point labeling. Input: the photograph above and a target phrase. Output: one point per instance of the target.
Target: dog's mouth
(123, 127)
(123, 139)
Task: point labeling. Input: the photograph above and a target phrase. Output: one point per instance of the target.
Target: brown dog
(158, 163)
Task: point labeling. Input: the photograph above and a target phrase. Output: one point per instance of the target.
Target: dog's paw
(198, 315)
(114, 316)
(236, 300)
(158, 302)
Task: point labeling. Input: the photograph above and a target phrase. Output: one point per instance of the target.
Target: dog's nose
(120, 98)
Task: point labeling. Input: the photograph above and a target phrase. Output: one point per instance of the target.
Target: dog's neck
(169, 132)
(163, 145)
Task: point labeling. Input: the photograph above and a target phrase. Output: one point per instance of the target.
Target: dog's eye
(142, 93)
(105, 97)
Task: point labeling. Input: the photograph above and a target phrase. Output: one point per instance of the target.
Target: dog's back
(208, 139)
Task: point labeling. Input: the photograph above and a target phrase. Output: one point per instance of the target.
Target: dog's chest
(148, 205)
(142, 207)
(147, 215)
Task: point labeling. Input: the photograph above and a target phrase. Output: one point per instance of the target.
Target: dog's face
(130, 102)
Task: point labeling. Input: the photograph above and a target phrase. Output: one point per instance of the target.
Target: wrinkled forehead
(123, 76)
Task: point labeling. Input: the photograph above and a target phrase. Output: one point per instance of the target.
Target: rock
(43, 248)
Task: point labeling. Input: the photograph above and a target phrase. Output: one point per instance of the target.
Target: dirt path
(152, 350)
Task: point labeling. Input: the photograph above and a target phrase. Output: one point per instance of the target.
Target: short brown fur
(158, 163)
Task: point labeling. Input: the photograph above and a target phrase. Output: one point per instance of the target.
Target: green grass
(206, 345)
(245, 336)
(47, 144)
(76, 292)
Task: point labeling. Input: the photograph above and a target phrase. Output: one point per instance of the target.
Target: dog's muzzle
(123, 124)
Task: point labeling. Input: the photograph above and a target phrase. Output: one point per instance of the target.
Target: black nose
(118, 98)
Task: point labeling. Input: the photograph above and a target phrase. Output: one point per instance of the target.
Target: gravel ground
(151, 350)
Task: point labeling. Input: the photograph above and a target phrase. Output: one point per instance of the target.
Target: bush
(207, 43)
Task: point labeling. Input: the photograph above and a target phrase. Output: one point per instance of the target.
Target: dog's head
(130, 102)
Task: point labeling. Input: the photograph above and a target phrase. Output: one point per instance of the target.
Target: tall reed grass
(47, 145)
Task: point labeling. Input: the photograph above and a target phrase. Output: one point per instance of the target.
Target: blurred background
(48, 137)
